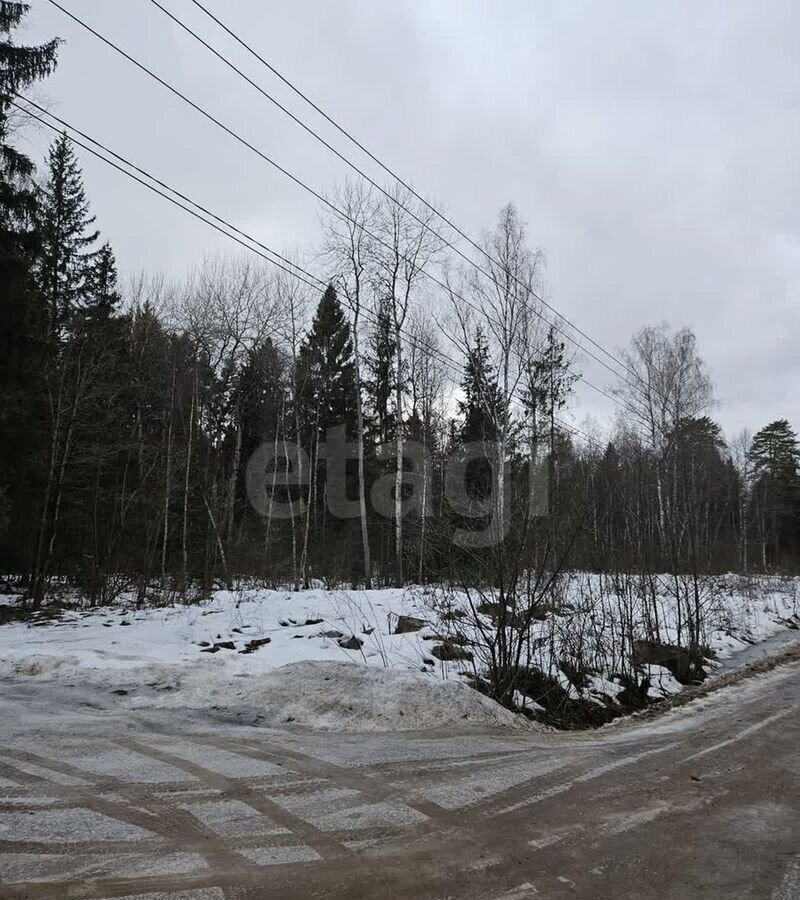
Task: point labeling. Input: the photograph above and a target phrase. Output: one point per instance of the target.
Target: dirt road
(99, 802)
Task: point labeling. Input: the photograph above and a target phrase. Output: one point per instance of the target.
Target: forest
(397, 419)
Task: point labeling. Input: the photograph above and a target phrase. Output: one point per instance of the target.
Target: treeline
(384, 428)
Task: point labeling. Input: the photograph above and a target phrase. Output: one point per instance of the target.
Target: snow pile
(298, 672)
(325, 696)
(341, 696)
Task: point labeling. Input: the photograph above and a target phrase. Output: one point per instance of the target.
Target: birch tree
(407, 244)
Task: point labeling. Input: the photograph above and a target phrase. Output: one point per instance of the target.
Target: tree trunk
(167, 488)
(398, 480)
(362, 489)
(185, 529)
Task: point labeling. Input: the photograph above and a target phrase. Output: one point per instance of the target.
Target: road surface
(99, 802)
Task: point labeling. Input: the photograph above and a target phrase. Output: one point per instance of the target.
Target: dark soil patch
(450, 651)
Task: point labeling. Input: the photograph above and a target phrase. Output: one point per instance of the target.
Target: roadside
(277, 658)
(773, 655)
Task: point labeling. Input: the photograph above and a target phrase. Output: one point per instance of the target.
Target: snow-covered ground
(252, 649)
(326, 659)
(310, 625)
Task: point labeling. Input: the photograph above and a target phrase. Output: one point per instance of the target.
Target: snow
(340, 696)
(172, 635)
(303, 676)
(662, 682)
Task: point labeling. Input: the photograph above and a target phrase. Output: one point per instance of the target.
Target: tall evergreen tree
(105, 280)
(548, 385)
(775, 452)
(22, 335)
(481, 405)
(67, 264)
(326, 385)
(775, 465)
(78, 285)
(326, 398)
(480, 409)
(379, 383)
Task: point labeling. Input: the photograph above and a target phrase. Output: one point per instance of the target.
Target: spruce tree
(326, 398)
(78, 285)
(22, 335)
(104, 281)
(480, 411)
(68, 266)
(326, 373)
(481, 406)
(775, 463)
(379, 383)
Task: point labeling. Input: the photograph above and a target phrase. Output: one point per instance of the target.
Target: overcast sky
(653, 149)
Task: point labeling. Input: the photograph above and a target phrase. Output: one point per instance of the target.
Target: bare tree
(427, 378)
(666, 383)
(227, 308)
(505, 302)
(407, 244)
(292, 297)
(350, 249)
(740, 452)
(666, 395)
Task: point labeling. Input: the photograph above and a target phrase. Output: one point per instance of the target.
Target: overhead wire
(402, 182)
(294, 178)
(394, 199)
(203, 214)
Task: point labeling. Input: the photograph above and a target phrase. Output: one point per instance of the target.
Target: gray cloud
(651, 148)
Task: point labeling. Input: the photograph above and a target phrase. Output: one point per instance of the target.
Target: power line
(203, 209)
(294, 178)
(245, 240)
(282, 262)
(343, 131)
(309, 130)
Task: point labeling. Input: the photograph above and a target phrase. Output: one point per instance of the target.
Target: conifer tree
(776, 454)
(79, 287)
(480, 409)
(104, 281)
(22, 341)
(326, 398)
(775, 464)
(67, 265)
(379, 384)
(326, 375)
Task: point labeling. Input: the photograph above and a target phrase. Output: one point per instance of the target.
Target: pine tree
(480, 410)
(775, 453)
(775, 464)
(326, 398)
(481, 407)
(68, 268)
(549, 382)
(326, 384)
(104, 281)
(379, 384)
(22, 335)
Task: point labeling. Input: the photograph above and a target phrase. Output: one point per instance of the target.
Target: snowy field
(335, 660)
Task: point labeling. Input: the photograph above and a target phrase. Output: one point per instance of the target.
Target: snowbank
(333, 659)
(341, 696)
(324, 696)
